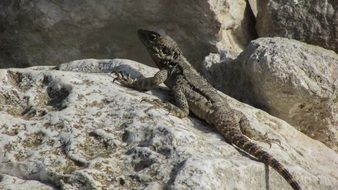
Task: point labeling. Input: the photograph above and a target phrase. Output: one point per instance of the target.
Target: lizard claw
(170, 108)
(122, 78)
(270, 141)
(155, 102)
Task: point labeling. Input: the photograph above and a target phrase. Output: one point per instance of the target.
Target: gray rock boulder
(289, 79)
(13, 183)
(310, 21)
(76, 130)
(43, 32)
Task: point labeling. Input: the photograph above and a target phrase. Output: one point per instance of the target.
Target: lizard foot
(172, 109)
(155, 102)
(269, 141)
(123, 79)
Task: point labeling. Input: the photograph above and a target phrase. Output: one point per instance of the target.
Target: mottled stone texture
(311, 21)
(99, 135)
(292, 80)
(78, 130)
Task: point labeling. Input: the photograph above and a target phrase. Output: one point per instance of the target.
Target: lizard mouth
(140, 33)
(148, 38)
(143, 35)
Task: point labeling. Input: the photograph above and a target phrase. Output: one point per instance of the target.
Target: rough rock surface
(291, 80)
(80, 130)
(44, 32)
(311, 21)
(8, 182)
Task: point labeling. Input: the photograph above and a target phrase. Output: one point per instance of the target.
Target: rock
(43, 32)
(101, 136)
(217, 69)
(310, 21)
(292, 80)
(13, 183)
(253, 7)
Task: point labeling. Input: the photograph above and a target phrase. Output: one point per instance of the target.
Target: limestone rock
(310, 21)
(291, 80)
(13, 183)
(43, 32)
(76, 130)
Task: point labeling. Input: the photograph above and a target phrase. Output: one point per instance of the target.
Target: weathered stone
(291, 80)
(13, 183)
(43, 32)
(104, 137)
(310, 21)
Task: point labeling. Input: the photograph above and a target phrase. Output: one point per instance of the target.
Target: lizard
(192, 93)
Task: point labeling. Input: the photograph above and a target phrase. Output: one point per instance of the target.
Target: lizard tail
(242, 142)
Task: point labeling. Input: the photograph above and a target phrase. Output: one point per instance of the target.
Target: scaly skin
(193, 93)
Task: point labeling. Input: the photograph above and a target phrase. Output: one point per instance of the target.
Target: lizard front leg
(179, 109)
(145, 83)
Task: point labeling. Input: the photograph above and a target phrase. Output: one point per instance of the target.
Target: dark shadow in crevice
(57, 93)
(267, 177)
(251, 20)
(174, 172)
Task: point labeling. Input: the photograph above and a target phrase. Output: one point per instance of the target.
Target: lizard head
(162, 49)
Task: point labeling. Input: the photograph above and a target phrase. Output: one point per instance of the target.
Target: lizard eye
(152, 37)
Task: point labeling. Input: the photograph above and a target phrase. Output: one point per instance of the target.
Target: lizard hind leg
(253, 134)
